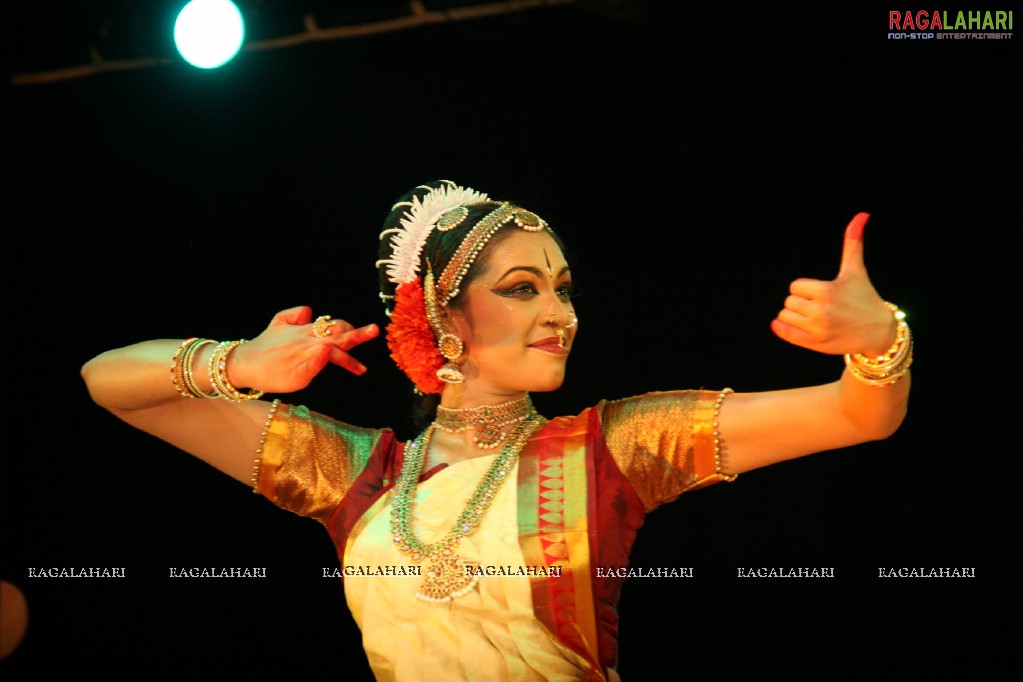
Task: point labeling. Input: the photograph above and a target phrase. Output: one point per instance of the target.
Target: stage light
(209, 33)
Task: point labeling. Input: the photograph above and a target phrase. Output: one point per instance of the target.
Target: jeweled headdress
(418, 221)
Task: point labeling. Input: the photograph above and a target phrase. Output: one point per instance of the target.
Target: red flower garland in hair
(412, 343)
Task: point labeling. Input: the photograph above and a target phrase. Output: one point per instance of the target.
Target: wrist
(218, 373)
(887, 368)
(887, 337)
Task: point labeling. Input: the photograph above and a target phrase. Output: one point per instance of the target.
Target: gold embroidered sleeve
(665, 443)
(308, 462)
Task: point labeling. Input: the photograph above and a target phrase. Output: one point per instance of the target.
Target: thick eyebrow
(532, 270)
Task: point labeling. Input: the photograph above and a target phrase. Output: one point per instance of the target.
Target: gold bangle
(175, 369)
(884, 370)
(217, 369)
(181, 368)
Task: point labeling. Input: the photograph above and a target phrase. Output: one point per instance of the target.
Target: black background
(695, 160)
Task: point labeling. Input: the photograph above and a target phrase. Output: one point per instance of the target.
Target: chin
(549, 384)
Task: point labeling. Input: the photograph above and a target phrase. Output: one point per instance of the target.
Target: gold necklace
(449, 575)
(488, 420)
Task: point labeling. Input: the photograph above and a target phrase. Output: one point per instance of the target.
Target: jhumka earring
(451, 348)
(449, 345)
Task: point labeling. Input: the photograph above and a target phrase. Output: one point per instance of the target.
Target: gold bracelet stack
(885, 370)
(218, 373)
(216, 367)
(181, 368)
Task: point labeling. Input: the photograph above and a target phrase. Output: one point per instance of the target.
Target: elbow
(889, 427)
(885, 425)
(86, 371)
(92, 374)
(88, 374)
(876, 413)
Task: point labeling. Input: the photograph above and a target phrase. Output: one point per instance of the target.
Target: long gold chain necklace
(449, 575)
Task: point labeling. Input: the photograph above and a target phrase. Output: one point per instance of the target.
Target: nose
(566, 319)
(562, 325)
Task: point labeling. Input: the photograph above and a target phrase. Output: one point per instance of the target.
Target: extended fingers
(345, 337)
(348, 340)
(343, 359)
(342, 333)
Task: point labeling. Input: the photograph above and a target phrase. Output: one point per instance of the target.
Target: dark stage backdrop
(696, 162)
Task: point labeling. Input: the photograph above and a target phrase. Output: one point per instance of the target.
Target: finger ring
(321, 327)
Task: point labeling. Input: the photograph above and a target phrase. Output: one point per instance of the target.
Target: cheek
(494, 326)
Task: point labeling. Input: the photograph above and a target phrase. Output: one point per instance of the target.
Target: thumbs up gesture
(840, 316)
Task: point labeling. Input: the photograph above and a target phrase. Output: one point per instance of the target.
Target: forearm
(160, 386)
(759, 429)
(152, 373)
(138, 385)
(139, 376)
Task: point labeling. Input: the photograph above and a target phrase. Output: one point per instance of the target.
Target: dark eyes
(564, 291)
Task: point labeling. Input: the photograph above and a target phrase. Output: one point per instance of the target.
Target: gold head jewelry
(449, 345)
(452, 218)
(451, 279)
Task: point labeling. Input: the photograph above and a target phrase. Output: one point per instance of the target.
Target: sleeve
(307, 462)
(665, 443)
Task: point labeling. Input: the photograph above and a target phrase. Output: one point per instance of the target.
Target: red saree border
(554, 517)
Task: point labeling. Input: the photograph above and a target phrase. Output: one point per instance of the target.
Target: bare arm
(842, 316)
(134, 383)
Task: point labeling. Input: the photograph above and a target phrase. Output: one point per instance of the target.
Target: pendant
(489, 436)
(448, 575)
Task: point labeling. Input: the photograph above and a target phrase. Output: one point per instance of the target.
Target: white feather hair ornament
(418, 222)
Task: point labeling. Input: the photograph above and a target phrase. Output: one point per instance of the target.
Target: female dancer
(492, 521)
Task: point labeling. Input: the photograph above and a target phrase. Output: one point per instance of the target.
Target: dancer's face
(509, 313)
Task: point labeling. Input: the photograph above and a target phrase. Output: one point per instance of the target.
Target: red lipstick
(551, 344)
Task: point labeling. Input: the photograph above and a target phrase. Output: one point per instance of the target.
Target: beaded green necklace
(449, 575)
